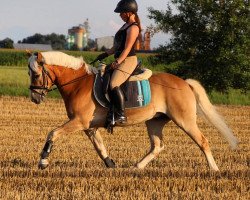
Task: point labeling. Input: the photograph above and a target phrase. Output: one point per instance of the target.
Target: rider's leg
(119, 104)
(119, 76)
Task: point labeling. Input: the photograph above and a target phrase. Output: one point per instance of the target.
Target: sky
(22, 18)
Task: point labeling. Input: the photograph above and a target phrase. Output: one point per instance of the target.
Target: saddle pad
(137, 93)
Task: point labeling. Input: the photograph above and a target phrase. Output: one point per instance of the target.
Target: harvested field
(76, 172)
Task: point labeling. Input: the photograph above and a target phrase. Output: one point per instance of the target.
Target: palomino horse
(172, 99)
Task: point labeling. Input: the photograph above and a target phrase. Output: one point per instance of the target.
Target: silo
(71, 37)
(147, 40)
(79, 32)
(139, 43)
(70, 40)
(85, 40)
(76, 37)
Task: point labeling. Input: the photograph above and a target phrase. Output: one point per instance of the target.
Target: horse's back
(171, 92)
(168, 81)
(169, 84)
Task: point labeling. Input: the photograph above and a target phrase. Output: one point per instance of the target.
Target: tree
(6, 43)
(74, 48)
(210, 38)
(91, 44)
(57, 42)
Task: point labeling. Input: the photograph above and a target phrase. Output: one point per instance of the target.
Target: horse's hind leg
(188, 124)
(154, 127)
(96, 139)
(202, 142)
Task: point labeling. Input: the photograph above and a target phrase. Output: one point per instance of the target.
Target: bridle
(45, 85)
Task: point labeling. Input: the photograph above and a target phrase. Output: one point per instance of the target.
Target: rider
(124, 54)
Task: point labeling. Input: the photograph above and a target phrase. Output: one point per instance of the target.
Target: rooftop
(23, 46)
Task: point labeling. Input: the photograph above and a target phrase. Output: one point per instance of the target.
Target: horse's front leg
(69, 127)
(96, 139)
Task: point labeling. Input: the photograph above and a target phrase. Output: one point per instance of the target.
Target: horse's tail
(210, 113)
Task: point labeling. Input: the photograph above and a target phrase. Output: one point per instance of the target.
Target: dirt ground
(76, 172)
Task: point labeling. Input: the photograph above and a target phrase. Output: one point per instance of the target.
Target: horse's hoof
(109, 163)
(43, 164)
(134, 168)
(139, 166)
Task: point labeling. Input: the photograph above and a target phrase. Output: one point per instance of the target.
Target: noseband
(45, 86)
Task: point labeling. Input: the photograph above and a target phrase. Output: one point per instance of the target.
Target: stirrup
(110, 121)
(110, 128)
(121, 120)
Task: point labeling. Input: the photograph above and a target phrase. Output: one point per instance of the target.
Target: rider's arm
(105, 54)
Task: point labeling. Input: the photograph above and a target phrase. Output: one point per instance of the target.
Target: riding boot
(110, 115)
(119, 104)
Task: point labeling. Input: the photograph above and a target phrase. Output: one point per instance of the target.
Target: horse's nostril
(36, 98)
(34, 101)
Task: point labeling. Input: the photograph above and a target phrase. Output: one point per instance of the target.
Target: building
(78, 36)
(104, 42)
(40, 47)
(147, 41)
(143, 42)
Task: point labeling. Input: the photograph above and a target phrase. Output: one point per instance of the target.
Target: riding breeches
(123, 72)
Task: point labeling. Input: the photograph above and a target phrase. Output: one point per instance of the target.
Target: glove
(114, 65)
(102, 56)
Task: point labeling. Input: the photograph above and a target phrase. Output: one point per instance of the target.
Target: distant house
(41, 47)
(106, 42)
(142, 44)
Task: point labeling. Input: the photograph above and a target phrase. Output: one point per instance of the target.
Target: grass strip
(14, 81)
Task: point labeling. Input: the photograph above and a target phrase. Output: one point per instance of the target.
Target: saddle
(136, 89)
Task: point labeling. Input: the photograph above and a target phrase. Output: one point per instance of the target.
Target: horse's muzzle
(36, 97)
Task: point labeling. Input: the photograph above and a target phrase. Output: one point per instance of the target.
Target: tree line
(57, 41)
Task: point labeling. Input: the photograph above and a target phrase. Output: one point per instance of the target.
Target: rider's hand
(102, 56)
(115, 64)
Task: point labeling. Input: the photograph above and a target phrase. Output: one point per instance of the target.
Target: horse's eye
(37, 76)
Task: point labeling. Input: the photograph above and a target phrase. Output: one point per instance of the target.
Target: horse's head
(40, 78)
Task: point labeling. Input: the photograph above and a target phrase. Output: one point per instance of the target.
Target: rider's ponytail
(138, 21)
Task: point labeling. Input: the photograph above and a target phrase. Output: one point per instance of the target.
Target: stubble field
(76, 172)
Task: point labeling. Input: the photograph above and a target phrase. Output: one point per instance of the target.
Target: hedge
(18, 58)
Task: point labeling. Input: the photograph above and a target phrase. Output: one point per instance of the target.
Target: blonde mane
(65, 60)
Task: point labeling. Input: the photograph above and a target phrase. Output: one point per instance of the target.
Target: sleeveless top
(120, 40)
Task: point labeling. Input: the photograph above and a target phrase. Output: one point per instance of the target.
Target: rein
(45, 75)
(70, 82)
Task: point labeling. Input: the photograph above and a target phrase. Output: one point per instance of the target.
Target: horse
(172, 98)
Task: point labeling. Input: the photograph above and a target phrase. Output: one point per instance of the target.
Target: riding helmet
(126, 6)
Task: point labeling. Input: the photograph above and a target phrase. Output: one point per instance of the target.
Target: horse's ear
(29, 53)
(39, 57)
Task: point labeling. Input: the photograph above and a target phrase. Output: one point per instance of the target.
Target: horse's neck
(65, 75)
(67, 79)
